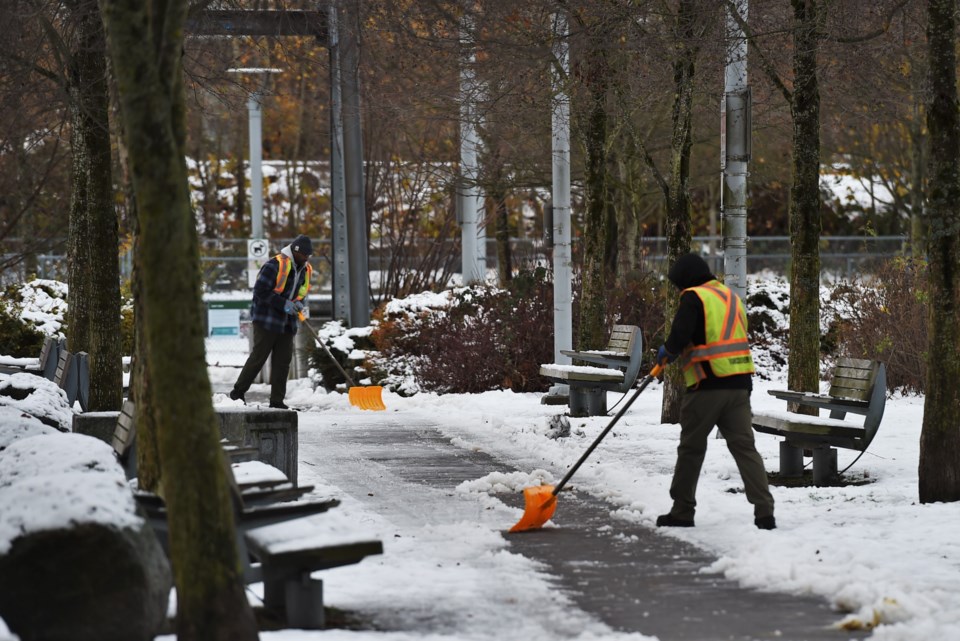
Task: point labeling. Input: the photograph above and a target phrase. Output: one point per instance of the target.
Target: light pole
(255, 111)
(735, 153)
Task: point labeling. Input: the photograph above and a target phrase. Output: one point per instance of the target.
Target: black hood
(689, 271)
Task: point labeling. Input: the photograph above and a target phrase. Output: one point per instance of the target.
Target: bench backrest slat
(622, 338)
(63, 368)
(854, 379)
(636, 356)
(124, 431)
(862, 380)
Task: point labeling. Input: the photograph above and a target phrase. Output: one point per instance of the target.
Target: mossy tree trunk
(592, 332)
(93, 263)
(146, 40)
(939, 468)
(677, 187)
(803, 372)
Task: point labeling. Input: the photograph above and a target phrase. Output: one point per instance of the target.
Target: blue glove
(299, 305)
(290, 308)
(664, 357)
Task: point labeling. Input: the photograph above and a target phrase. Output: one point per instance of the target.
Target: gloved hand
(290, 308)
(664, 357)
(299, 305)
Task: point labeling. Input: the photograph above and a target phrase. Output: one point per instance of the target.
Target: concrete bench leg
(596, 401)
(791, 460)
(587, 401)
(824, 465)
(304, 599)
(578, 401)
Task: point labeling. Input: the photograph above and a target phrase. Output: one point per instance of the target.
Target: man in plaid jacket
(278, 295)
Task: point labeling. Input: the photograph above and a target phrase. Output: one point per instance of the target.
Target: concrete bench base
(274, 433)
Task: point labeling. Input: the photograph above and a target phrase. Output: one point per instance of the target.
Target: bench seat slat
(821, 401)
(786, 422)
(581, 373)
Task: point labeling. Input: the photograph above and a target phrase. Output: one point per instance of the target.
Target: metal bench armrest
(821, 402)
(609, 360)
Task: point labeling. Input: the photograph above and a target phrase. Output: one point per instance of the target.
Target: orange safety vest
(725, 325)
(286, 266)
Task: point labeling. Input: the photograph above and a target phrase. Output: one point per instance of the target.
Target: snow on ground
(871, 549)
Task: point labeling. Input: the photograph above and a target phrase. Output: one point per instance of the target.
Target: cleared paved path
(628, 576)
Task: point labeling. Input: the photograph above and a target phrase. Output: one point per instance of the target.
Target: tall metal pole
(353, 167)
(562, 256)
(471, 247)
(735, 154)
(338, 208)
(255, 110)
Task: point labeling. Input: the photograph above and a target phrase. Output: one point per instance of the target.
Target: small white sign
(258, 251)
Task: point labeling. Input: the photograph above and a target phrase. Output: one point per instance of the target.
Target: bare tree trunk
(918, 161)
(146, 42)
(678, 195)
(93, 246)
(940, 438)
(804, 341)
(501, 217)
(593, 309)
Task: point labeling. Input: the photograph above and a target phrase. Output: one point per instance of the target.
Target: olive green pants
(278, 347)
(729, 411)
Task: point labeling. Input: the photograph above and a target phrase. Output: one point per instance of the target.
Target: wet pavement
(633, 578)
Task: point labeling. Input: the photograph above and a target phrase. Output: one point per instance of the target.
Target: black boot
(236, 396)
(765, 522)
(669, 520)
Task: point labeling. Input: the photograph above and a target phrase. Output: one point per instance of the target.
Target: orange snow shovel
(366, 398)
(541, 500)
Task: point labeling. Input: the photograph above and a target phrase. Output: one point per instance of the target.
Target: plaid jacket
(267, 308)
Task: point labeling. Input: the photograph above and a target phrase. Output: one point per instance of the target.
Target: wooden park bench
(285, 558)
(73, 377)
(284, 564)
(614, 369)
(857, 387)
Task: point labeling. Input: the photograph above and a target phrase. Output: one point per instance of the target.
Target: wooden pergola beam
(259, 23)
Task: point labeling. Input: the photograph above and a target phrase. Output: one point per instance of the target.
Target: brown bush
(487, 339)
(495, 339)
(886, 320)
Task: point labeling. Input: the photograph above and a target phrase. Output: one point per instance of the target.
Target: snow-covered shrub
(29, 312)
(350, 346)
(470, 339)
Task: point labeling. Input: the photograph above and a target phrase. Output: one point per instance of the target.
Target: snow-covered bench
(857, 387)
(256, 481)
(45, 366)
(284, 559)
(614, 369)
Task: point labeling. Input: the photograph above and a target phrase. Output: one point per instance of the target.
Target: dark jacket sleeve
(687, 326)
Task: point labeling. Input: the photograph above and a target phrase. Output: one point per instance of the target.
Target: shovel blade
(540, 504)
(367, 398)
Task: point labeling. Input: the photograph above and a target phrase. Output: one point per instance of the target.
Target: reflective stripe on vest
(725, 326)
(286, 266)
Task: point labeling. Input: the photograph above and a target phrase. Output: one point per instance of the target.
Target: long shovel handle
(646, 381)
(303, 321)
